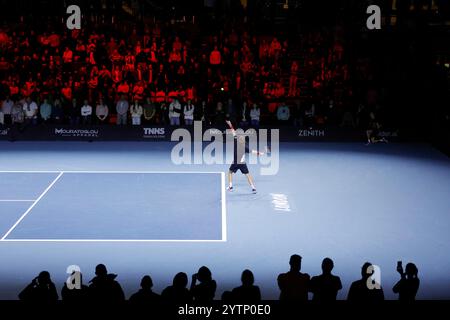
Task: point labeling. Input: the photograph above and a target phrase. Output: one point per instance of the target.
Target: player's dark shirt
(239, 151)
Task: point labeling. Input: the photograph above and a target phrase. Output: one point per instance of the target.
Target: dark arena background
(119, 121)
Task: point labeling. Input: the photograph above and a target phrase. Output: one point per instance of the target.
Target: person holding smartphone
(41, 289)
(205, 289)
(409, 283)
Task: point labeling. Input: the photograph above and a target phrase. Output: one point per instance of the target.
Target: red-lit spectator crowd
(156, 75)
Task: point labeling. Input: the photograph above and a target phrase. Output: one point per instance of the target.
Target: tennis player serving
(240, 148)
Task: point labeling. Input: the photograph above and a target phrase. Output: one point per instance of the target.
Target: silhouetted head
(327, 265)
(247, 278)
(204, 274)
(411, 270)
(365, 270)
(146, 283)
(44, 278)
(180, 280)
(100, 270)
(295, 262)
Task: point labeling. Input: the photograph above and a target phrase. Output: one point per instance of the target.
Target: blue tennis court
(127, 205)
(141, 206)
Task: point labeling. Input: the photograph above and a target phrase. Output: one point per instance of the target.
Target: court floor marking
(113, 240)
(32, 206)
(223, 207)
(107, 171)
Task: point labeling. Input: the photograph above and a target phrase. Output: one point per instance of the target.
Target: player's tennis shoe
(230, 189)
(254, 191)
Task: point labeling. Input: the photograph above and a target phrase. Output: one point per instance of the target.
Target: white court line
(32, 206)
(15, 200)
(111, 240)
(132, 172)
(29, 171)
(223, 205)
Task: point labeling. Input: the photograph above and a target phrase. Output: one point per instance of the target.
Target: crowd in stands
(155, 75)
(294, 286)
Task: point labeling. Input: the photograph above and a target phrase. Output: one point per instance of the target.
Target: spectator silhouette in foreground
(326, 286)
(76, 293)
(41, 289)
(104, 287)
(145, 294)
(227, 297)
(294, 284)
(247, 292)
(408, 285)
(178, 292)
(365, 290)
(206, 289)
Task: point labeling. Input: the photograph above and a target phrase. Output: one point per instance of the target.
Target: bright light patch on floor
(280, 202)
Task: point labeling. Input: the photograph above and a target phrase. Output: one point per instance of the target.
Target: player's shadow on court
(245, 196)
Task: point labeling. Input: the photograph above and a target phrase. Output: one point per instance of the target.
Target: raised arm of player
(259, 153)
(231, 127)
